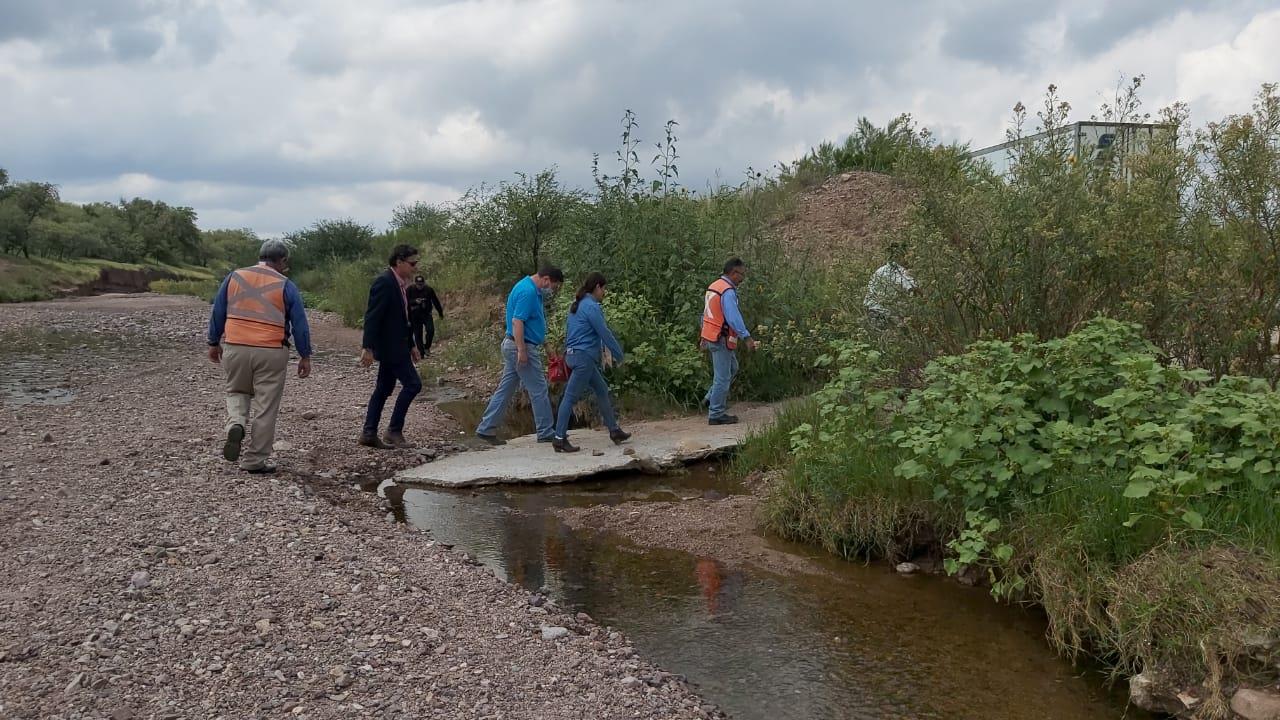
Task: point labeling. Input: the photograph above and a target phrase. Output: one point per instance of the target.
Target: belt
(526, 342)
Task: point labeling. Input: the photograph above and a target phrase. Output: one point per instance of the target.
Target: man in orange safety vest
(722, 330)
(256, 311)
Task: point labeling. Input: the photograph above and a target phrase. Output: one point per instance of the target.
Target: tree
(165, 233)
(20, 205)
(234, 247)
(327, 240)
(508, 229)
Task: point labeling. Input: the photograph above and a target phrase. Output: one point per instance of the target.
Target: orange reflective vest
(255, 307)
(713, 325)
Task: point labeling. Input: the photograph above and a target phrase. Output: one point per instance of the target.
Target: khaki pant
(255, 375)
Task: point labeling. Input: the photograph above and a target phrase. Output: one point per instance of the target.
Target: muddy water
(860, 642)
(36, 366)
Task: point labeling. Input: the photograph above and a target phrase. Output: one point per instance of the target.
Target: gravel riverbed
(145, 577)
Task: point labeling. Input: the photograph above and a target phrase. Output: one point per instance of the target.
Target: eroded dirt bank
(147, 578)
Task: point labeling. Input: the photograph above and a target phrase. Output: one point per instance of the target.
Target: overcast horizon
(271, 115)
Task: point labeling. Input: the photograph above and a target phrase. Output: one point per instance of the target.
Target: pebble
(310, 415)
(48, 437)
(907, 568)
(141, 579)
(554, 632)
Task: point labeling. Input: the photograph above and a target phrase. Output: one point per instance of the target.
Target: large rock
(1253, 704)
(654, 446)
(1152, 691)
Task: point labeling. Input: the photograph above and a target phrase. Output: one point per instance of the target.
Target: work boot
(723, 420)
(618, 436)
(372, 441)
(562, 445)
(396, 440)
(491, 439)
(231, 450)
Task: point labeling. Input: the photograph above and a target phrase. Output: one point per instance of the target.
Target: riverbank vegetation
(1077, 407)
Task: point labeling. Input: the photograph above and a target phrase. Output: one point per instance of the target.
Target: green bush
(1083, 473)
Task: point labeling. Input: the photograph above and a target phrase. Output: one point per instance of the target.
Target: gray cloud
(992, 31)
(248, 110)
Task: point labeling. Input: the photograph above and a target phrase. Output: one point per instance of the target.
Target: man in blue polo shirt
(522, 356)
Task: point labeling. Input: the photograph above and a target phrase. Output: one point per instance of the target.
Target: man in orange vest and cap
(722, 330)
(256, 311)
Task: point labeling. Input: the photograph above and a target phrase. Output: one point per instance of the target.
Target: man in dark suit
(389, 340)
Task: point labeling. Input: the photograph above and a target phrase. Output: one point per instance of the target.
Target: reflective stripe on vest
(713, 323)
(255, 307)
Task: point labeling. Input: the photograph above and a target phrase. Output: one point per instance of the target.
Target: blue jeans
(724, 365)
(533, 376)
(586, 374)
(388, 374)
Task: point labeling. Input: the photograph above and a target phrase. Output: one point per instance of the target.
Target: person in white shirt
(886, 293)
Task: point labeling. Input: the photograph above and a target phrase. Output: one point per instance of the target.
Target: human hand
(522, 356)
(753, 344)
(417, 356)
(304, 367)
(366, 357)
(215, 354)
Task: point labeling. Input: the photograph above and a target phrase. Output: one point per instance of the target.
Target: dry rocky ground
(147, 578)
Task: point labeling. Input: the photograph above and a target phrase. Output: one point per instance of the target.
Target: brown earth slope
(852, 213)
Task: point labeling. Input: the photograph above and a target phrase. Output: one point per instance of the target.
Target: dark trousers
(388, 374)
(424, 332)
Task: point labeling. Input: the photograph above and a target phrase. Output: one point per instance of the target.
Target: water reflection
(852, 642)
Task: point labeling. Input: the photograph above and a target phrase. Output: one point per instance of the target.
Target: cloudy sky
(271, 114)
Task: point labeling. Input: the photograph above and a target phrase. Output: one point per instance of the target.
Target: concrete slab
(653, 447)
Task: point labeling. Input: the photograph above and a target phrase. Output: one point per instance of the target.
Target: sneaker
(396, 440)
(562, 445)
(263, 469)
(491, 439)
(618, 436)
(372, 441)
(723, 420)
(231, 450)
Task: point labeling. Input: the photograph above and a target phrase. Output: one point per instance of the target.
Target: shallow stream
(857, 642)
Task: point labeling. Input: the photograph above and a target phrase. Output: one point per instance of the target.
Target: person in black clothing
(388, 339)
(421, 299)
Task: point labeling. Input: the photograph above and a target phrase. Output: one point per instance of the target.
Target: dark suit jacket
(386, 325)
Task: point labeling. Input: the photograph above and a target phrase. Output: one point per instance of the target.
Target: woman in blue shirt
(586, 334)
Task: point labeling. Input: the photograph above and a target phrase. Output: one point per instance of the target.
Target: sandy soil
(723, 528)
(147, 578)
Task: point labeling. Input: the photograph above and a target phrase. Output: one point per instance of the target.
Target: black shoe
(562, 445)
(263, 469)
(396, 440)
(619, 436)
(547, 439)
(723, 420)
(231, 450)
(491, 439)
(373, 442)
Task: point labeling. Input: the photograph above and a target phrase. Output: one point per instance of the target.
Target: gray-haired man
(256, 311)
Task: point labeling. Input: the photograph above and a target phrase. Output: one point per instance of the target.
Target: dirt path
(146, 578)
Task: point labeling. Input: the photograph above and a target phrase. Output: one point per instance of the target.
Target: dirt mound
(851, 212)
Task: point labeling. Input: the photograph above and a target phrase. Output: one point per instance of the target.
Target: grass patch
(205, 289)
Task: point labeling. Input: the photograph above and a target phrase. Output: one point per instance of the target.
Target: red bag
(557, 369)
